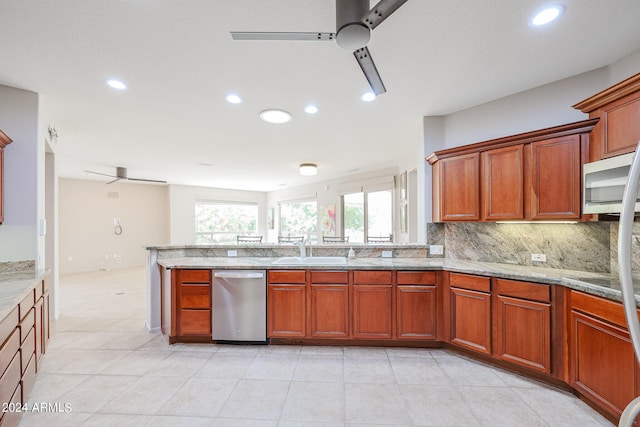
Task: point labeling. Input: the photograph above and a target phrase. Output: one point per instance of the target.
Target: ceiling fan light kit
(354, 23)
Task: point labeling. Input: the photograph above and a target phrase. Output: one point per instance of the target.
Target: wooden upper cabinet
(503, 183)
(4, 141)
(531, 176)
(460, 188)
(555, 178)
(618, 109)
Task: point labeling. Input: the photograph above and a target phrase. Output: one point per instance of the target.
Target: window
(221, 222)
(367, 214)
(299, 218)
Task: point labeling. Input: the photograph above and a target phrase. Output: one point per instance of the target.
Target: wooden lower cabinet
(416, 305)
(602, 365)
(329, 304)
(287, 304)
(373, 310)
(192, 289)
(470, 310)
(523, 324)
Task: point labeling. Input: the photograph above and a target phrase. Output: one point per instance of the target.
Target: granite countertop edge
(585, 281)
(14, 287)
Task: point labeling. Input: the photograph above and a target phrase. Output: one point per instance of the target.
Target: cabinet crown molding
(4, 139)
(613, 93)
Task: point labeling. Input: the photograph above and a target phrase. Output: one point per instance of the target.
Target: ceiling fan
(354, 22)
(121, 174)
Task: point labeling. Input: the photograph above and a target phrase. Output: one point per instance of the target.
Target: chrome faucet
(302, 247)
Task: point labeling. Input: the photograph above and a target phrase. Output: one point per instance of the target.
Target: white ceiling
(177, 57)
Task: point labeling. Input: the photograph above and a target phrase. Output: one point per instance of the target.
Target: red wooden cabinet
(503, 183)
(416, 305)
(373, 310)
(329, 304)
(459, 192)
(470, 312)
(193, 297)
(4, 141)
(287, 304)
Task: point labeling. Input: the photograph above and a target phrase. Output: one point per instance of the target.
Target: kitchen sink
(312, 260)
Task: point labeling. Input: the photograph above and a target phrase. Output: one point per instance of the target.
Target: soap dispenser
(352, 254)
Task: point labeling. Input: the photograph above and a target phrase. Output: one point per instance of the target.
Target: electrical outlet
(539, 257)
(387, 254)
(436, 249)
(232, 252)
(116, 221)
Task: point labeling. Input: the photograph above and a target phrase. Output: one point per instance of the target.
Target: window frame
(234, 232)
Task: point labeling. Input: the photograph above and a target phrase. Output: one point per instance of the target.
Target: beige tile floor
(112, 372)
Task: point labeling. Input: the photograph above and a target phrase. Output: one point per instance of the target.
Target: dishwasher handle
(239, 274)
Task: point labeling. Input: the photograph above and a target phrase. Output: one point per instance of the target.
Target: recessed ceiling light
(308, 169)
(311, 109)
(547, 15)
(116, 84)
(368, 96)
(275, 116)
(233, 98)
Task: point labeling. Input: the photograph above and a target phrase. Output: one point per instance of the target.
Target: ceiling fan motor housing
(351, 33)
(121, 172)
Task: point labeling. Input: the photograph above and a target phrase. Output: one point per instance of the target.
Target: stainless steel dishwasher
(240, 306)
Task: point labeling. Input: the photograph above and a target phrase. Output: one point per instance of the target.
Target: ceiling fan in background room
(121, 174)
(354, 22)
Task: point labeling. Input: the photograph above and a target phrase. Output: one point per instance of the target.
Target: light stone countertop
(604, 285)
(15, 285)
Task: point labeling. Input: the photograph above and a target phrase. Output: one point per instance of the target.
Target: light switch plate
(539, 257)
(232, 252)
(436, 249)
(387, 254)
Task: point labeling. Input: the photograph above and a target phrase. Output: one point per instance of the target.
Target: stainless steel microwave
(604, 182)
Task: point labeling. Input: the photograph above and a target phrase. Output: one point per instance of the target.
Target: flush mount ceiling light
(308, 169)
(547, 15)
(275, 116)
(368, 96)
(116, 84)
(311, 109)
(232, 98)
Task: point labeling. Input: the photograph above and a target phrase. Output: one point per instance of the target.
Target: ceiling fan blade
(146, 180)
(381, 11)
(98, 173)
(370, 71)
(256, 35)
(115, 180)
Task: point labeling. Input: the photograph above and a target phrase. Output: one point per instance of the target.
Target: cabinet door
(372, 311)
(503, 183)
(555, 178)
(603, 366)
(286, 310)
(416, 312)
(460, 188)
(523, 333)
(193, 300)
(329, 311)
(471, 319)
(1, 185)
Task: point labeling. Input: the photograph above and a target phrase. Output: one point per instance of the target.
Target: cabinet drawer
(28, 322)
(194, 276)
(28, 379)
(28, 349)
(599, 307)
(195, 322)
(10, 379)
(26, 304)
(9, 324)
(330, 277)
(372, 277)
(524, 290)
(467, 281)
(11, 419)
(287, 276)
(416, 277)
(9, 350)
(195, 296)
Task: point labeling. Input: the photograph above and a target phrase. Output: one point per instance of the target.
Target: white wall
(86, 228)
(182, 201)
(19, 120)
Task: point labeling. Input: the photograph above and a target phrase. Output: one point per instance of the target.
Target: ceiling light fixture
(308, 169)
(232, 98)
(116, 84)
(275, 116)
(311, 109)
(547, 15)
(368, 96)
